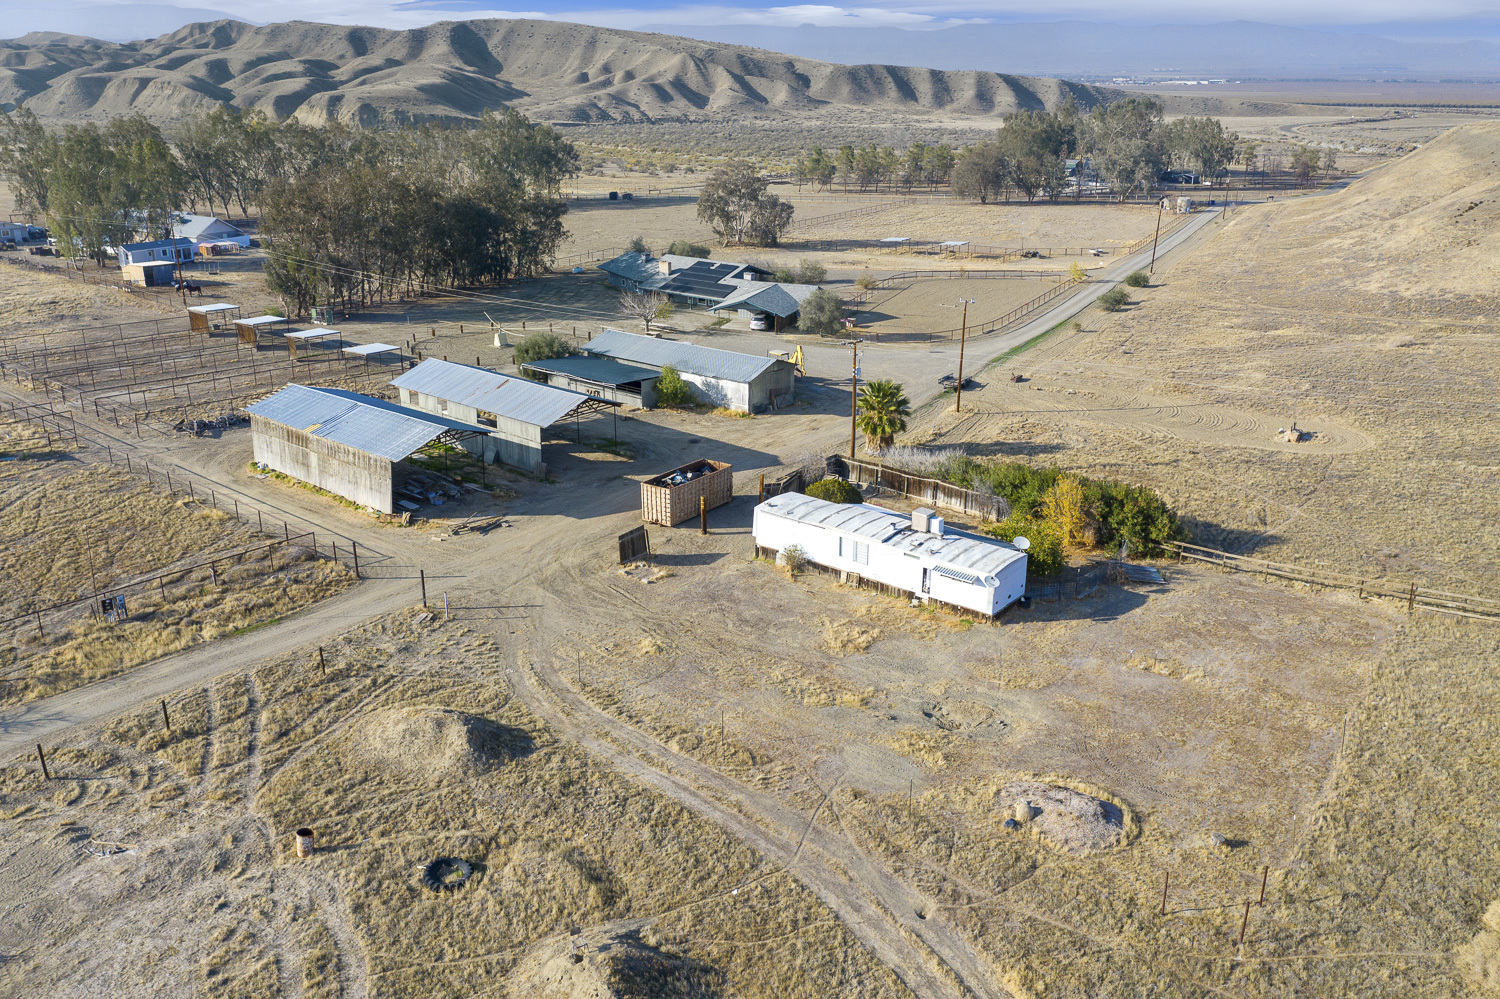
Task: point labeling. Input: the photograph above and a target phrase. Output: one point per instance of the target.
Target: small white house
(204, 230)
(917, 554)
(155, 251)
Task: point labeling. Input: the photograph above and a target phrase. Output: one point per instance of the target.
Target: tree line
(348, 215)
(871, 166)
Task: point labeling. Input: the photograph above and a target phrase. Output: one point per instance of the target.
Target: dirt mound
(1070, 820)
(426, 740)
(456, 71)
(1479, 959)
(622, 966)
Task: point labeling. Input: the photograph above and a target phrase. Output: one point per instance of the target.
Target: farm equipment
(795, 356)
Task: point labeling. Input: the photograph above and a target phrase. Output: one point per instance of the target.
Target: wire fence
(49, 429)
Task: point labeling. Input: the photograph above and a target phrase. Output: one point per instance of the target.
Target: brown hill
(454, 71)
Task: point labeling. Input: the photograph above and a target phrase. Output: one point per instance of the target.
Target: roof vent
(935, 525)
(921, 517)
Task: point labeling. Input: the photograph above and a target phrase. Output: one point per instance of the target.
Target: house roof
(504, 395)
(599, 370)
(689, 276)
(688, 358)
(632, 266)
(359, 421)
(196, 226)
(155, 244)
(980, 555)
(778, 299)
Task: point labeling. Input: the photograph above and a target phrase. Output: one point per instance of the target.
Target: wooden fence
(943, 495)
(1413, 596)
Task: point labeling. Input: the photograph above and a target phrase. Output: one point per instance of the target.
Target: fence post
(356, 559)
(422, 575)
(46, 774)
(1411, 598)
(164, 716)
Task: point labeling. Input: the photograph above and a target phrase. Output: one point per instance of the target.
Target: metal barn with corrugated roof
(917, 554)
(749, 383)
(344, 442)
(514, 410)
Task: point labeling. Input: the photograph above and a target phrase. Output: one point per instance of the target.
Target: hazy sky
(899, 13)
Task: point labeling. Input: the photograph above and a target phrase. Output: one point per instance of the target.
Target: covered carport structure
(628, 384)
(515, 410)
(346, 443)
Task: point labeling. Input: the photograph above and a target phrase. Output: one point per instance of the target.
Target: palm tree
(883, 409)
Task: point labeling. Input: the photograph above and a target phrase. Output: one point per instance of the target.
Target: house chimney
(665, 266)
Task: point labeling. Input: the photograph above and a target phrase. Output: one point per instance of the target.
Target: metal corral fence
(1413, 596)
(57, 428)
(985, 328)
(944, 495)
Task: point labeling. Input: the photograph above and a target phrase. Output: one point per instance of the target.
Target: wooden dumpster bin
(672, 497)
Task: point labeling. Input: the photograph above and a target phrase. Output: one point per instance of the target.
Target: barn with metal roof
(344, 442)
(749, 383)
(917, 554)
(515, 410)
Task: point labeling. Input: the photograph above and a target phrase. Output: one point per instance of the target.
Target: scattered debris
(446, 874)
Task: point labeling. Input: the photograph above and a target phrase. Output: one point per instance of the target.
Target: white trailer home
(916, 554)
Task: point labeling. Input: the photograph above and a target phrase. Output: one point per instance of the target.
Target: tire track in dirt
(881, 912)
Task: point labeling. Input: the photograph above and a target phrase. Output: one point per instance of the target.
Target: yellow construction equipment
(794, 356)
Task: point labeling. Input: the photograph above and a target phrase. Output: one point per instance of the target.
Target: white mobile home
(917, 554)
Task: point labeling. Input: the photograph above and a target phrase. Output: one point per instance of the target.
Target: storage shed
(916, 554)
(151, 274)
(673, 497)
(344, 442)
(748, 383)
(628, 384)
(513, 410)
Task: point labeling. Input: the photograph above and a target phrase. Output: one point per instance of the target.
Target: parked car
(761, 321)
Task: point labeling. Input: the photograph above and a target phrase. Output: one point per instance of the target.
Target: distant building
(171, 250)
(13, 231)
(917, 554)
(690, 280)
(204, 230)
(748, 383)
(777, 305)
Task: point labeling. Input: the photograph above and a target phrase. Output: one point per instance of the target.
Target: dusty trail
(878, 909)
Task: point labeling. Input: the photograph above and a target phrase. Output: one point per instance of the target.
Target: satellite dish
(1022, 543)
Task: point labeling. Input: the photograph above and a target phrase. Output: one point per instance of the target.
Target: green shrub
(542, 347)
(1045, 556)
(671, 390)
(1138, 279)
(637, 244)
(1114, 300)
(682, 248)
(834, 491)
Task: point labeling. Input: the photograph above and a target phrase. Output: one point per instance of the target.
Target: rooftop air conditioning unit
(921, 518)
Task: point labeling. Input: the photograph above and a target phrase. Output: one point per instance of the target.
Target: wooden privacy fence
(943, 495)
(1413, 596)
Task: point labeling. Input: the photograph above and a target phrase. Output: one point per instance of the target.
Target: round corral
(1068, 819)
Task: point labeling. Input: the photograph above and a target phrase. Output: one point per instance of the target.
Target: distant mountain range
(1102, 51)
(454, 71)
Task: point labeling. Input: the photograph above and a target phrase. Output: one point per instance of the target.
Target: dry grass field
(69, 529)
(410, 747)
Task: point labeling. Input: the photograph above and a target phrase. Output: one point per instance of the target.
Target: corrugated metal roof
(504, 395)
(599, 370)
(260, 320)
(362, 422)
(985, 556)
(689, 358)
(155, 244)
(778, 299)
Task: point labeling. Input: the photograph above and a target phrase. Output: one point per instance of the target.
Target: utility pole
(853, 346)
(1160, 205)
(963, 332)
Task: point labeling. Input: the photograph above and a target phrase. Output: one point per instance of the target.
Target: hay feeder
(446, 874)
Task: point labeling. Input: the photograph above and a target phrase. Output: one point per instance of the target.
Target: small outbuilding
(678, 495)
(616, 381)
(248, 330)
(916, 554)
(749, 383)
(154, 251)
(349, 444)
(513, 410)
(150, 274)
(780, 303)
(205, 318)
